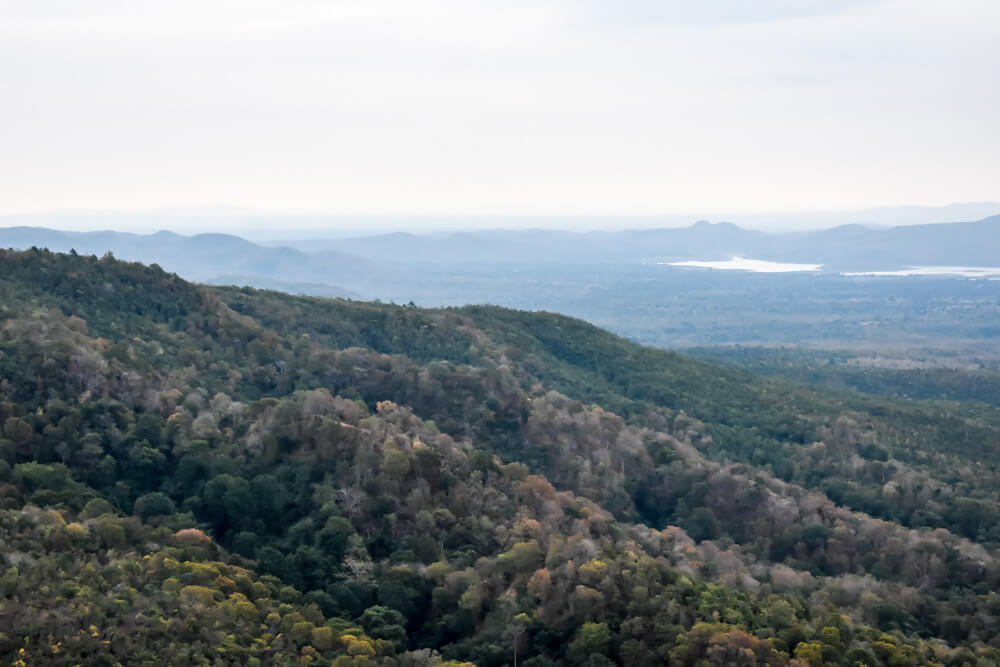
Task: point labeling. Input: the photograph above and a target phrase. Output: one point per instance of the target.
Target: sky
(506, 108)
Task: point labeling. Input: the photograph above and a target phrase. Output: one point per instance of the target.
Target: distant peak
(705, 224)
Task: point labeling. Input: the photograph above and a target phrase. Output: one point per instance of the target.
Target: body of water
(744, 264)
(766, 266)
(966, 271)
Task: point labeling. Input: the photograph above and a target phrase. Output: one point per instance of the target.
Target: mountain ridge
(845, 247)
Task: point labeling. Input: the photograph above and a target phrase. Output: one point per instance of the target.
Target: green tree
(591, 639)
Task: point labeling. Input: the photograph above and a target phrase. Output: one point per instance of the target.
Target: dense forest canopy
(204, 475)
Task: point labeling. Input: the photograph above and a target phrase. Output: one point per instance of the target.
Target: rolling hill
(247, 476)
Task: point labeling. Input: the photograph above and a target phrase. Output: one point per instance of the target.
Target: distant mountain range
(847, 247)
(387, 265)
(843, 248)
(863, 248)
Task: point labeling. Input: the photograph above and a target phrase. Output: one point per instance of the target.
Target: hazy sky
(461, 106)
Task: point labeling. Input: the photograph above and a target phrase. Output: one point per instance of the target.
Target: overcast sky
(509, 107)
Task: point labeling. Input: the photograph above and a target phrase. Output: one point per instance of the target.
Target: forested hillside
(970, 374)
(202, 475)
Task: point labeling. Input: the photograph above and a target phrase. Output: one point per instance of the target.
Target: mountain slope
(351, 451)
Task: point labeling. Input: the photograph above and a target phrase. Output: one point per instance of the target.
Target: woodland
(230, 476)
